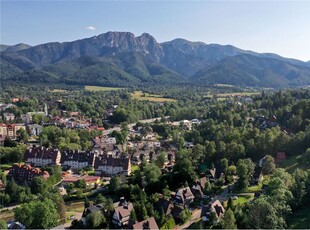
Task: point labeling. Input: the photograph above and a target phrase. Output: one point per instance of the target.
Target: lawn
(255, 188)
(75, 207)
(134, 168)
(242, 199)
(139, 95)
(100, 88)
(58, 91)
(300, 219)
(239, 94)
(291, 164)
(223, 85)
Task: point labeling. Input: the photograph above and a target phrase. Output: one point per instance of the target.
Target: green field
(238, 94)
(300, 219)
(291, 164)
(223, 85)
(242, 199)
(100, 88)
(58, 91)
(139, 95)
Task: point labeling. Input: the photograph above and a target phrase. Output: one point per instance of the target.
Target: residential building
(40, 156)
(89, 180)
(215, 207)
(8, 116)
(76, 159)
(10, 130)
(91, 209)
(25, 173)
(149, 223)
(121, 213)
(35, 129)
(198, 187)
(163, 205)
(109, 165)
(184, 196)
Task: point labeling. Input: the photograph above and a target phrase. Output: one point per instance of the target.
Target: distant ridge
(121, 58)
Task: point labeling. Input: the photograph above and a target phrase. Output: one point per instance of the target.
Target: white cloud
(90, 28)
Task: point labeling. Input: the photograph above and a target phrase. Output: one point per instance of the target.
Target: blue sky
(281, 27)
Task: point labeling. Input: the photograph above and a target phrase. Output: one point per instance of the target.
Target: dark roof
(149, 223)
(76, 155)
(257, 172)
(41, 152)
(110, 161)
(165, 205)
(176, 211)
(92, 209)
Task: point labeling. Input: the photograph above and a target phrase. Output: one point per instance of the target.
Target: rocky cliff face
(105, 44)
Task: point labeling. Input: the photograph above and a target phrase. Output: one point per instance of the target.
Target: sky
(281, 27)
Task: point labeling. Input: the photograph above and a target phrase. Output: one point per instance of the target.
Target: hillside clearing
(100, 88)
(139, 95)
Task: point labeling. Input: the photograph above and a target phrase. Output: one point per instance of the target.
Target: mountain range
(123, 59)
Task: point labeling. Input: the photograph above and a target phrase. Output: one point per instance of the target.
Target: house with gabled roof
(91, 209)
(40, 156)
(149, 223)
(163, 205)
(76, 159)
(110, 165)
(26, 173)
(198, 187)
(215, 207)
(215, 174)
(184, 196)
(121, 215)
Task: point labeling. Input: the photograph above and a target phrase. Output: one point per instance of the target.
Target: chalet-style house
(108, 165)
(75, 159)
(121, 213)
(184, 196)
(25, 173)
(215, 174)
(149, 223)
(40, 156)
(198, 187)
(10, 130)
(215, 207)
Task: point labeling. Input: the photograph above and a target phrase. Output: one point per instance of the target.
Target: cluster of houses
(171, 207)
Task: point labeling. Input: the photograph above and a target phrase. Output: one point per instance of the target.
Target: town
(156, 173)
